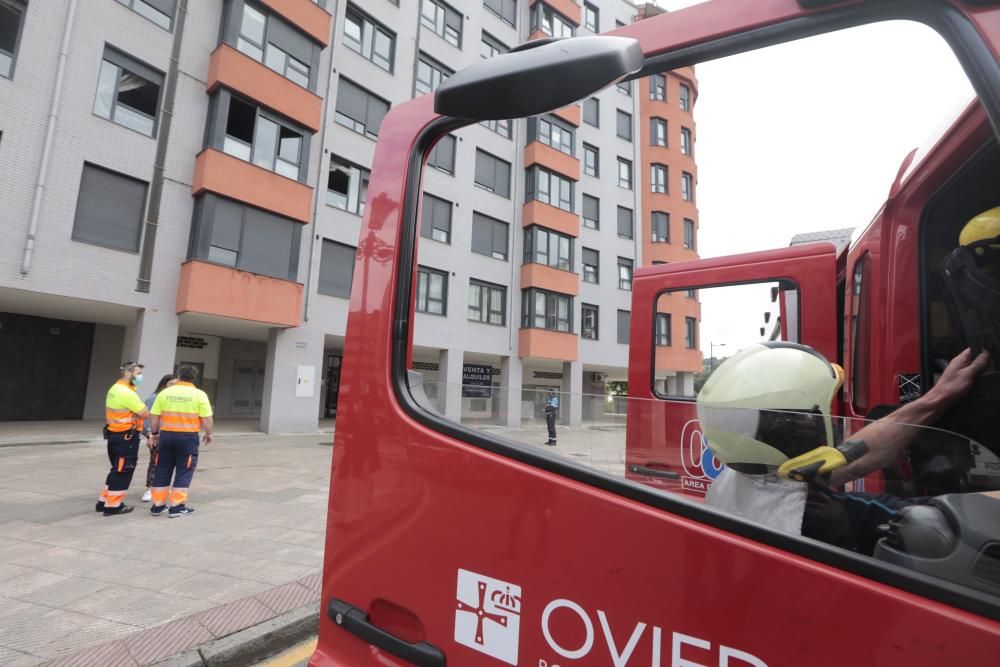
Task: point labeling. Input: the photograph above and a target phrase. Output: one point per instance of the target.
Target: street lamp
(711, 352)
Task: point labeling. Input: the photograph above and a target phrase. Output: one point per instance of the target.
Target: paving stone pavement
(77, 588)
(126, 589)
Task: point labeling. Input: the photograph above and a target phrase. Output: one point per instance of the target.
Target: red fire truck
(453, 545)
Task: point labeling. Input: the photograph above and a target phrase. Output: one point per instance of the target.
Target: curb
(29, 443)
(88, 441)
(254, 643)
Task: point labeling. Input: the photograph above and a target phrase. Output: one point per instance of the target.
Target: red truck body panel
(590, 570)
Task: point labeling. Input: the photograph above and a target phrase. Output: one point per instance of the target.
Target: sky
(808, 136)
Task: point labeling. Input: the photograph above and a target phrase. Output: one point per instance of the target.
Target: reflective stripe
(121, 463)
(180, 422)
(178, 496)
(159, 495)
(189, 460)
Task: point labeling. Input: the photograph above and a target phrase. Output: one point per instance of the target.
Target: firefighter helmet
(973, 281)
(982, 232)
(769, 403)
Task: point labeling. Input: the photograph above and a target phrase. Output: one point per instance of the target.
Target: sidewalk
(71, 579)
(77, 588)
(87, 431)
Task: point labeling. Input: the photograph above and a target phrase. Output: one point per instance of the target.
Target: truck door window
(726, 319)
(861, 335)
(548, 383)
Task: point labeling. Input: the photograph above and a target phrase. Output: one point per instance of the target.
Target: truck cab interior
(974, 465)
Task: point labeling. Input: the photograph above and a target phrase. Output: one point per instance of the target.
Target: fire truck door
(795, 285)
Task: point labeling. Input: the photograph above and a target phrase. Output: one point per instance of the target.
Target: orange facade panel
(211, 289)
(568, 8)
(679, 360)
(237, 71)
(550, 278)
(306, 15)
(214, 171)
(553, 217)
(570, 114)
(555, 160)
(666, 252)
(545, 344)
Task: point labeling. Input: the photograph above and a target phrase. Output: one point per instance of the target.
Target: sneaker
(99, 506)
(147, 496)
(551, 443)
(180, 510)
(121, 509)
(157, 510)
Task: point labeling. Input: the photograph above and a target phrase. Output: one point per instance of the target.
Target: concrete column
(510, 396)
(686, 382)
(292, 376)
(450, 387)
(571, 401)
(152, 340)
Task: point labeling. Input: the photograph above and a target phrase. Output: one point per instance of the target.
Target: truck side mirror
(537, 77)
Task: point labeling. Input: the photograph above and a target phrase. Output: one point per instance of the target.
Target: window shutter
(351, 101)
(377, 109)
(168, 7)
(482, 235)
(336, 270)
(485, 169)
(227, 223)
(624, 323)
(267, 244)
(290, 40)
(502, 178)
(624, 221)
(500, 237)
(109, 209)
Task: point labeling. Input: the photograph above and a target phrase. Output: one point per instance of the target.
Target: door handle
(653, 472)
(356, 622)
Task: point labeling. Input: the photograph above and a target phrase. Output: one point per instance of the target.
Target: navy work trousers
(176, 459)
(123, 454)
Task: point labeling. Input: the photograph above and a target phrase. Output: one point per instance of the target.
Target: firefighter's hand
(957, 379)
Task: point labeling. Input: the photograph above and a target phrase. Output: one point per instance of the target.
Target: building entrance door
(248, 387)
(33, 348)
(332, 384)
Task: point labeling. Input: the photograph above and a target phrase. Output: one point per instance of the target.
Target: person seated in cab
(765, 413)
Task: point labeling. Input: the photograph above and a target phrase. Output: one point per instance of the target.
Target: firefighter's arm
(207, 423)
(136, 405)
(889, 436)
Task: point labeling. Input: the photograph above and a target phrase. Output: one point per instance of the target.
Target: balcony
(545, 344)
(211, 289)
(237, 71)
(550, 278)
(555, 160)
(570, 114)
(231, 177)
(306, 15)
(552, 217)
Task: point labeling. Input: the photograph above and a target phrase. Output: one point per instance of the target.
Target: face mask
(137, 379)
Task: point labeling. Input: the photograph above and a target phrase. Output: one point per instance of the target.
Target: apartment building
(186, 184)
